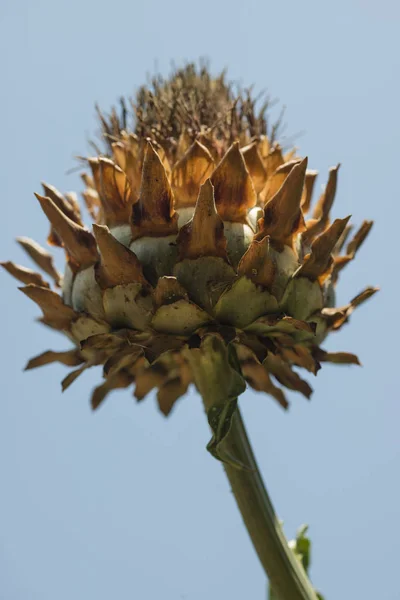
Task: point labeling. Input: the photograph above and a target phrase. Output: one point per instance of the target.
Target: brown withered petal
(359, 238)
(274, 159)
(276, 179)
(322, 208)
(153, 214)
(325, 202)
(284, 374)
(283, 217)
(118, 265)
(257, 263)
(70, 209)
(55, 312)
(126, 155)
(40, 256)
(149, 378)
(78, 242)
(184, 142)
(23, 274)
(190, 173)
(116, 381)
(206, 141)
(123, 359)
(70, 358)
(114, 190)
(203, 235)
(336, 317)
(169, 393)
(352, 248)
(342, 240)
(72, 376)
(257, 376)
(255, 166)
(93, 204)
(301, 357)
(339, 358)
(233, 188)
(319, 261)
(308, 189)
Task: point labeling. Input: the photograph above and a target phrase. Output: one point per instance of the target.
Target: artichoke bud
(205, 250)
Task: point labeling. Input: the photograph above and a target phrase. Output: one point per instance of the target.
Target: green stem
(285, 573)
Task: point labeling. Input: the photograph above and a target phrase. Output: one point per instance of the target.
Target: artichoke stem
(285, 573)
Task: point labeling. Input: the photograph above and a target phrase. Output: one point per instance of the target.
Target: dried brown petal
(190, 173)
(24, 275)
(323, 207)
(274, 159)
(169, 393)
(128, 156)
(116, 381)
(69, 209)
(118, 265)
(153, 214)
(71, 358)
(203, 235)
(258, 378)
(93, 204)
(276, 180)
(233, 188)
(283, 217)
(359, 238)
(114, 191)
(55, 313)
(40, 256)
(149, 378)
(123, 359)
(352, 248)
(257, 263)
(255, 166)
(72, 376)
(318, 263)
(308, 189)
(301, 356)
(284, 374)
(339, 358)
(336, 317)
(206, 141)
(79, 243)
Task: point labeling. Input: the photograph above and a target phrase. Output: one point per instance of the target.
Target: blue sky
(124, 503)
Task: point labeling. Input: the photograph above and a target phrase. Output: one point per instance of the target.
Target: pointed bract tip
(283, 217)
(203, 235)
(79, 243)
(153, 214)
(118, 265)
(233, 187)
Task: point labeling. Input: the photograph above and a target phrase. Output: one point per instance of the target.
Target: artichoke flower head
(207, 261)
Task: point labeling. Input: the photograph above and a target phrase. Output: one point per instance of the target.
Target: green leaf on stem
(301, 547)
(218, 378)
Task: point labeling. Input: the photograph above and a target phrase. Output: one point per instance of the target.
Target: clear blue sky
(123, 503)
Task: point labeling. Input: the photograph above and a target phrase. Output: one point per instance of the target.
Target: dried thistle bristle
(177, 110)
(206, 243)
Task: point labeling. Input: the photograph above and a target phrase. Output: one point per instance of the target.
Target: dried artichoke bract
(206, 262)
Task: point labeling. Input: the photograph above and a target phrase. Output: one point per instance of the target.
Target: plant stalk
(286, 575)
